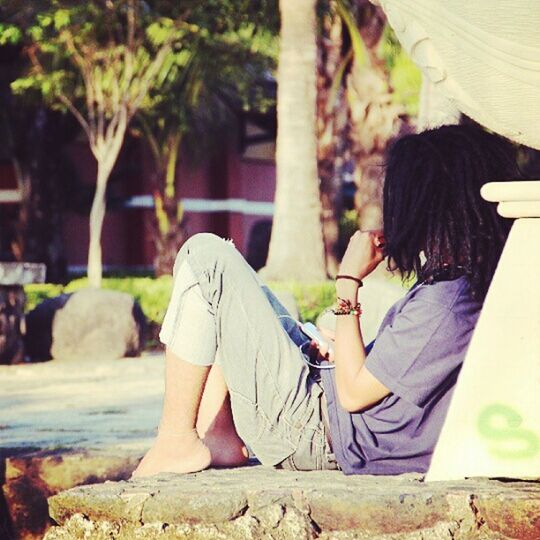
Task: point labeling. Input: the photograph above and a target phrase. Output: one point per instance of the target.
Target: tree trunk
(332, 127)
(97, 215)
(296, 247)
(106, 153)
(374, 118)
(169, 230)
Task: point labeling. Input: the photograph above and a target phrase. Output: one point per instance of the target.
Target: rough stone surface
(98, 323)
(256, 502)
(95, 422)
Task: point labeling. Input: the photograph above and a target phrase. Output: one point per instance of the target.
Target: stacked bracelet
(352, 278)
(346, 307)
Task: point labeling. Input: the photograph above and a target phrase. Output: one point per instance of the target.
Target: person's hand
(324, 348)
(364, 253)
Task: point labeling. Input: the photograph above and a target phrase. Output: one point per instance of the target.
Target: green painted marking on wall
(501, 425)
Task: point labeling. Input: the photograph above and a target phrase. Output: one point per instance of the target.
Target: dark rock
(39, 323)
(98, 323)
(12, 328)
(13, 275)
(258, 243)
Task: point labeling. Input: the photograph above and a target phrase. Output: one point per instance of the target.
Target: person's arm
(356, 387)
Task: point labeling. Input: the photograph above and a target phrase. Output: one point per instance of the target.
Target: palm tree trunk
(296, 247)
(170, 232)
(332, 128)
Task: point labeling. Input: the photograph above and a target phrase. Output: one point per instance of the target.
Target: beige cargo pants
(221, 311)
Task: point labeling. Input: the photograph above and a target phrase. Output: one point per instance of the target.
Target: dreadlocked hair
(432, 204)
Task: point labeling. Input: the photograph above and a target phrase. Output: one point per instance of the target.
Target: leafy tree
(206, 88)
(368, 90)
(365, 87)
(98, 60)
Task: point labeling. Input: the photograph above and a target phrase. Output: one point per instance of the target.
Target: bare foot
(226, 449)
(176, 453)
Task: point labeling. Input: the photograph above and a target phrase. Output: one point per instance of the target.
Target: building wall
(127, 232)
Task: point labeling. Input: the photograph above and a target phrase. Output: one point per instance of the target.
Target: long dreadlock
(432, 203)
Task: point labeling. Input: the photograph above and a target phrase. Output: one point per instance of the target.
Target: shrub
(312, 299)
(153, 294)
(36, 293)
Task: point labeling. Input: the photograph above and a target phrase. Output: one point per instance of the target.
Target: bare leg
(215, 423)
(177, 447)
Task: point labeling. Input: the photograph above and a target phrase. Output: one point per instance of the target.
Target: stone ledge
(257, 502)
(29, 476)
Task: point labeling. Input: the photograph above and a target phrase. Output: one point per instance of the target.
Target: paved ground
(103, 404)
(67, 424)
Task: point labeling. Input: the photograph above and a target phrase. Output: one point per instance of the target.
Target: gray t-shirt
(417, 355)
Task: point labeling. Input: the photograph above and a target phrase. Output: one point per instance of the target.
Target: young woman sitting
(236, 374)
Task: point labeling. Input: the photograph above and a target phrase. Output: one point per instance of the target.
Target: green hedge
(153, 294)
(311, 299)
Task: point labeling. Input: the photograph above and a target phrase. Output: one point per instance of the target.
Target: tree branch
(150, 138)
(77, 114)
(72, 48)
(100, 102)
(131, 25)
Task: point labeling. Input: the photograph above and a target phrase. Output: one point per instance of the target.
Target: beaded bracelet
(346, 307)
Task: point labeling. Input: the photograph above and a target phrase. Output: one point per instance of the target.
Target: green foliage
(75, 48)
(360, 53)
(78, 51)
(348, 224)
(62, 18)
(36, 293)
(405, 76)
(204, 83)
(312, 299)
(153, 294)
(10, 34)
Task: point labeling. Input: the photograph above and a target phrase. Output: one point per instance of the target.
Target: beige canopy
(483, 55)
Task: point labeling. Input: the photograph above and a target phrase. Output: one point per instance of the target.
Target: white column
(493, 424)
